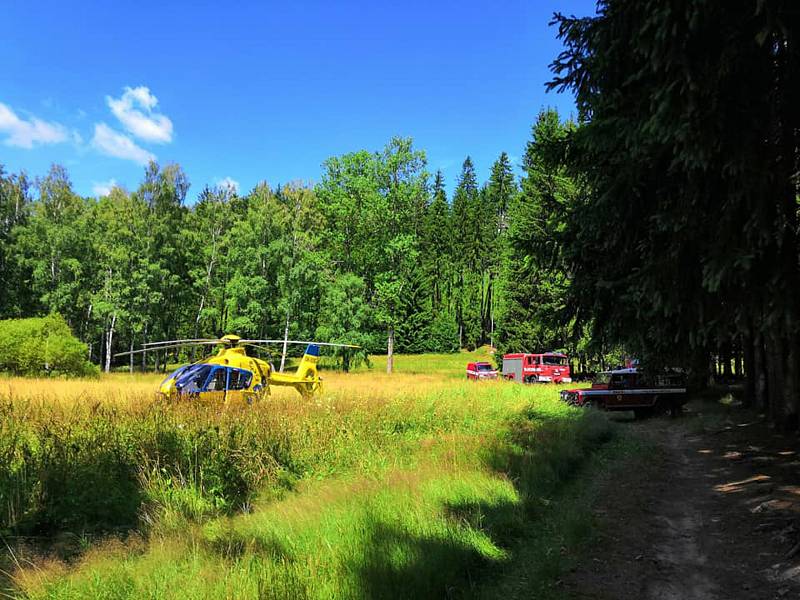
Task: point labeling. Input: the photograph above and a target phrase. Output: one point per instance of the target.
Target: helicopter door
(216, 385)
(239, 381)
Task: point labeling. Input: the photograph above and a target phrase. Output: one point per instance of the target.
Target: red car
(548, 367)
(481, 370)
(628, 389)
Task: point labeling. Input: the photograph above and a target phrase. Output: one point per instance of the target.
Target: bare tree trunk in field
(131, 356)
(109, 342)
(144, 354)
(285, 342)
(390, 351)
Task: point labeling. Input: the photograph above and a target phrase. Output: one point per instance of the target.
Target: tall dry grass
(410, 484)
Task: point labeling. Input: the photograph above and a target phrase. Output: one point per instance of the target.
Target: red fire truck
(532, 368)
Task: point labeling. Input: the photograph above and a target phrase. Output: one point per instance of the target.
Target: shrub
(42, 346)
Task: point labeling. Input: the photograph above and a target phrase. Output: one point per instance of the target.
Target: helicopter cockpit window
(175, 375)
(239, 379)
(218, 380)
(193, 379)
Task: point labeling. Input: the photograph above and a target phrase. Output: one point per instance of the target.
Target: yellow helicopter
(232, 374)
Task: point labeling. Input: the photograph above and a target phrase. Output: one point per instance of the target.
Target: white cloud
(143, 124)
(103, 188)
(116, 144)
(26, 134)
(228, 183)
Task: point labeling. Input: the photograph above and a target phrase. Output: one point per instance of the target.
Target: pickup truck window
(626, 380)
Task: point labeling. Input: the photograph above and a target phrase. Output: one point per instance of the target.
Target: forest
(374, 254)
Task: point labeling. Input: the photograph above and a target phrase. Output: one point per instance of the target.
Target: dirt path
(700, 513)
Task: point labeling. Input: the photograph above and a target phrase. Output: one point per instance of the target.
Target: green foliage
(42, 346)
(688, 238)
(14, 210)
(134, 267)
(345, 318)
(534, 275)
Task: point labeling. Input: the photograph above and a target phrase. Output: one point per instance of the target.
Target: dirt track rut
(697, 515)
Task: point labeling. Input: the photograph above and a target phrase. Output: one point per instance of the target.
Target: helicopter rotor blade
(152, 349)
(187, 341)
(299, 342)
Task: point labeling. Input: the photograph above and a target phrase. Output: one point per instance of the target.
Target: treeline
(685, 245)
(377, 254)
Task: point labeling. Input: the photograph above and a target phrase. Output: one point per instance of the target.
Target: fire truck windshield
(484, 367)
(559, 361)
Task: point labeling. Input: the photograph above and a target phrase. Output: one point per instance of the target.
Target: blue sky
(266, 91)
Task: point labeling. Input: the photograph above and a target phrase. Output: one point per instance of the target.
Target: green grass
(451, 366)
(379, 493)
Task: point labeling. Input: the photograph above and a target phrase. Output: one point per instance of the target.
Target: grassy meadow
(418, 484)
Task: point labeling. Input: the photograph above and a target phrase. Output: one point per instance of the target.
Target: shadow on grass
(543, 456)
(399, 564)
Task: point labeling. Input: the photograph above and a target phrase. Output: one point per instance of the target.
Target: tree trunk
(86, 325)
(791, 387)
(197, 322)
(390, 351)
(774, 361)
(490, 303)
(726, 357)
(131, 356)
(285, 341)
(748, 368)
(760, 374)
(110, 341)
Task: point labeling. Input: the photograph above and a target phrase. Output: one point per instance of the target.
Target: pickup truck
(630, 389)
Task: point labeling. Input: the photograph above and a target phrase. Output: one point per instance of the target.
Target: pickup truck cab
(481, 370)
(630, 389)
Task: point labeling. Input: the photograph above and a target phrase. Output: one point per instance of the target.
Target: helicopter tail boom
(306, 379)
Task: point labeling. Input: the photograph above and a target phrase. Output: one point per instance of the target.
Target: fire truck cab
(548, 367)
(481, 370)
